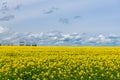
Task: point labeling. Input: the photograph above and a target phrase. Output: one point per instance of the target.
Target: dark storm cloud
(6, 10)
(51, 10)
(4, 7)
(7, 18)
(18, 7)
(77, 17)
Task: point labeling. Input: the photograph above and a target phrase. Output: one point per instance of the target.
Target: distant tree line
(21, 43)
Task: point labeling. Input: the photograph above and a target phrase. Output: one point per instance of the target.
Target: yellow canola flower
(59, 63)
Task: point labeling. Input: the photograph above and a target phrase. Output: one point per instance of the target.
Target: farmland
(59, 63)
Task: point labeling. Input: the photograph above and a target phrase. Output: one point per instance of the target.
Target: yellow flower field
(59, 63)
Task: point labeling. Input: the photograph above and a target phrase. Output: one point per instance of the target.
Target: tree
(22, 43)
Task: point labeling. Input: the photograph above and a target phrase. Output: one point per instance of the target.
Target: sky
(101, 18)
(89, 16)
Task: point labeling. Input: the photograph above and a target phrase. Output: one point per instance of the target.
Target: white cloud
(103, 39)
(113, 36)
(99, 40)
(35, 35)
(92, 39)
(3, 30)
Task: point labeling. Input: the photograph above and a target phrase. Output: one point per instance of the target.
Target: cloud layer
(57, 38)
